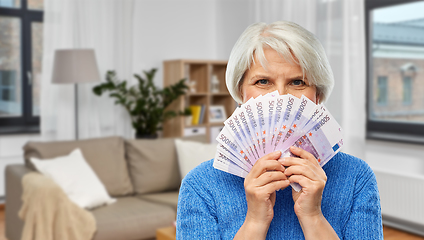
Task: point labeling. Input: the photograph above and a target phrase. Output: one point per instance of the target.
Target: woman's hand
(306, 171)
(265, 177)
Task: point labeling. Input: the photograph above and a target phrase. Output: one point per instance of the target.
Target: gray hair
(293, 42)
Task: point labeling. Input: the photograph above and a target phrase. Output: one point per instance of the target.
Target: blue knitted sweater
(212, 203)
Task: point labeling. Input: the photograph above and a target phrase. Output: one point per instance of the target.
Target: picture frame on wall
(217, 114)
(214, 133)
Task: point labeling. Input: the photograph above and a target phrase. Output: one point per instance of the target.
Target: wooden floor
(389, 233)
(2, 237)
(394, 234)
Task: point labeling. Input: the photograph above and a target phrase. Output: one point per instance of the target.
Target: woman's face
(280, 75)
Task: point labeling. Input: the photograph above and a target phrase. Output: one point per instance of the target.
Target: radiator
(402, 200)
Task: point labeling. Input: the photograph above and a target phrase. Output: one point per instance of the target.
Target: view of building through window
(20, 60)
(35, 4)
(407, 90)
(382, 91)
(397, 63)
(10, 3)
(10, 67)
(37, 56)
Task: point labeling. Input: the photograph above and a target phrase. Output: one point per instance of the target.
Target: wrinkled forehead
(285, 53)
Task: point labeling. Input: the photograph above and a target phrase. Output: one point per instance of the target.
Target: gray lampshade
(75, 66)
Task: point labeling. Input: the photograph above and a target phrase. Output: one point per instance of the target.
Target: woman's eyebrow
(297, 77)
(259, 76)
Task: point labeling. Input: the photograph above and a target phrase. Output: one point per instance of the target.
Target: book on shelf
(195, 113)
(198, 114)
(202, 114)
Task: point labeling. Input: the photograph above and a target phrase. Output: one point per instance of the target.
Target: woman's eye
(262, 82)
(298, 82)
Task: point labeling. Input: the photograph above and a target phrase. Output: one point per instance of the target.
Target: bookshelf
(206, 79)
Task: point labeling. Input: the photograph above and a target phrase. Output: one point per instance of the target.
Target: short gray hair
(293, 42)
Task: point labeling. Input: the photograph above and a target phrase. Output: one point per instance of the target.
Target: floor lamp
(75, 66)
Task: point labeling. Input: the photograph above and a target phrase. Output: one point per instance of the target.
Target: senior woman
(340, 200)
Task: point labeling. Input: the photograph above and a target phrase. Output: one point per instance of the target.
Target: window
(407, 90)
(7, 86)
(382, 91)
(395, 70)
(20, 65)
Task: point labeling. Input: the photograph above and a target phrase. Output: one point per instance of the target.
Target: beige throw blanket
(49, 214)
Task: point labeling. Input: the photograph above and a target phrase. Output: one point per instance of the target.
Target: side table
(167, 233)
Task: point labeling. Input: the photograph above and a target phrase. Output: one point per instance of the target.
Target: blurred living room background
(375, 48)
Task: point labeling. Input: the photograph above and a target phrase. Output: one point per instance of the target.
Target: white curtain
(108, 27)
(340, 26)
(105, 26)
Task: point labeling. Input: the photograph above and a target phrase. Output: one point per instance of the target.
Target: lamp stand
(76, 111)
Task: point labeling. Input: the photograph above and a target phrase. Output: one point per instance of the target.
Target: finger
(298, 166)
(306, 183)
(301, 180)
(291, 161)
(269, 177)
(272, 155)
(274, 186)
(303, 170)
(265, 166)
(267, 163)
(304, 154)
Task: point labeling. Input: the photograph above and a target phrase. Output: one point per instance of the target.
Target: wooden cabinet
(207, 88)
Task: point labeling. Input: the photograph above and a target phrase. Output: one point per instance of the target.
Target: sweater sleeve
(196, 218)
(365, 220)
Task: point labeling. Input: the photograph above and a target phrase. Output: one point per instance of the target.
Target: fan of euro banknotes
(275, 122)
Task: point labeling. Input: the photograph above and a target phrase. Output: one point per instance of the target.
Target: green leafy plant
(145, 103)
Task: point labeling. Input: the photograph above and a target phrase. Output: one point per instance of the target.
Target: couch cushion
(105, 156)
(153, 165)
(192, 153)
(131, 218)
(167, 198)
(76, 178)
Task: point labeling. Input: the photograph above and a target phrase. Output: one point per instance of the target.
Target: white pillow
(190, 154)
(73, 174)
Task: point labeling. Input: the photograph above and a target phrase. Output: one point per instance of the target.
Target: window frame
(26, 123)
(385, 130)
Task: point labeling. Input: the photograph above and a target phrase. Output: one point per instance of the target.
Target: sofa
(143, 175)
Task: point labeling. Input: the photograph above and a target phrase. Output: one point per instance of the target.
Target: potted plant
(145, 103)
